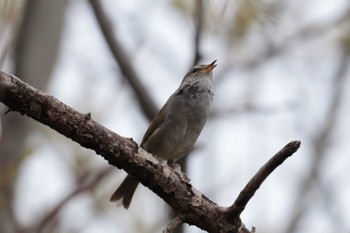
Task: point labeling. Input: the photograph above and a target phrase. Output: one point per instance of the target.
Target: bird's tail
(123, 195)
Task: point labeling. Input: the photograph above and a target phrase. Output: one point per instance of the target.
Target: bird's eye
(194, 71)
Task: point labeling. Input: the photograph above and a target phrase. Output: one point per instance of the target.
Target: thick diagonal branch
(120, 152)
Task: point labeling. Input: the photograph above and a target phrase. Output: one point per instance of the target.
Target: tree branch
(253, 185)
(124, 153)
(175, 223)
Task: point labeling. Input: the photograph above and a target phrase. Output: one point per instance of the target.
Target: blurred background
(282, 75)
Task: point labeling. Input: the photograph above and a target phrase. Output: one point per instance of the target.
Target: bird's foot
(177, 169)
(175, 166)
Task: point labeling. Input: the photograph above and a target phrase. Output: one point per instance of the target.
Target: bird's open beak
(210, 67)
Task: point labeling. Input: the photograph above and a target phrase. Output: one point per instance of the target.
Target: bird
(175, 128)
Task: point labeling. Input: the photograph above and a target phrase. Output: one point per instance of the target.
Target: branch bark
(124, 153)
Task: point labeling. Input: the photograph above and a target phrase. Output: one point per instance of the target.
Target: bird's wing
(155, 123)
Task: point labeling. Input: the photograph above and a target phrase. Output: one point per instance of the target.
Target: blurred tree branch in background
(123, 60)
(86, 182)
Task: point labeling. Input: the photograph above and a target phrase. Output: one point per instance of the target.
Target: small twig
(175, 223)
(249, 190)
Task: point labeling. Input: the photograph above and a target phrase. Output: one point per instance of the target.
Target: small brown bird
(174, 130)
